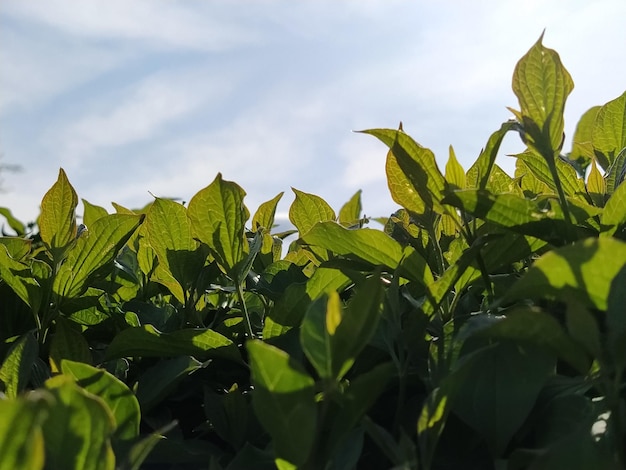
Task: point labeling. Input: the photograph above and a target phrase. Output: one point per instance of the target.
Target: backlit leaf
(582, 148)
(283, 400)
(57, 221)
(16, 368)
(572, 185)
(78, 430)
(455, 174)
(264, 216)
(147, 341)
(117, 396)
(92, 212)
(350, 212)
(95, 248)
(614, 213)
(479, 173)
(609, 131)
(542, 85)
(582, 271)
(596, 186)
(307, 210)
(218, 216)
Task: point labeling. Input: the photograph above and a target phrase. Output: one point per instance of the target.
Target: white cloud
(157, 23)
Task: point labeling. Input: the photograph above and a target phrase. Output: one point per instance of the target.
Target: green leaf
(542, 85)
(614, 213)
(371, 246)
(582, 271)
(156, 382)
(582, 148)
(169, 233)
(317, 331)
(596, 186)
(479, 173)
(264, 216)
(357, 325)
(573, 186)
(17, 247)
(21, 437)
(350, 212)
(616, 172)
(17, 226)
(609, 131)
(531, 326)
(92, 213)
(505, 382)
(77, 433)
(307, 210)
(147, 341)
(616, 318)
(68, 343)
(218, 216)
(16, 368)
(95, 248)
(18, 277)
(284, 401)
(57, 220)
(117, 396)
(413, 177)
(142, 448)
(289, 309)
(455, 174)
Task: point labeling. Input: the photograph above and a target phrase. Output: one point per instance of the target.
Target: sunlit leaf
(582, 148)
(264, 216)
(307, 210)
(92, 213)
(218, 217)
(350, 212)
(283, 400)
(609, 131)
(57, 221)
(479, 173)
(16, 368)
(596, 186)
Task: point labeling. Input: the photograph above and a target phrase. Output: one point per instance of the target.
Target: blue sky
(141, 97)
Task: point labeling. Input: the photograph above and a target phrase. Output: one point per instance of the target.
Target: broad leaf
(350, 212)
(68, 343)
(582, 271)
(455, 174)
(307, 210)
(542, 85)
(596, 185)
(78, 431)
(413, 177)
(170, 235)
(95, 248)
(573, 186)
(92, 213)
(117, 396)
(218, 216)
(582, 148)
(284, 401)
(264, 216)
(317, 331)
(17, 366)
(479, 173)
(609, 131)
(57, 221)
(17, 226)
(147, 341)
(21, 437)
(614, 213)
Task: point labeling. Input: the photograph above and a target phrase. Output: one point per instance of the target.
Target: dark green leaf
(16, 368)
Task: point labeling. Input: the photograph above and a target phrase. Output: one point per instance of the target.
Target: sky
(155, 97)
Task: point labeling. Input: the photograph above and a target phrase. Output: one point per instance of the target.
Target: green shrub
(484, 327)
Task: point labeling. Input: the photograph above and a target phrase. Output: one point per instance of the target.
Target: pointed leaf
(582, 271)
(264, 216)
(117, 396)
(455, 174)
(582, 148)
(413, 177)
(283, 400)
(542, 85)
(479, 173)
(17, 276)
(17, 226)
(614, 214)
(77, 433)
(95, 248)
(609, 131)
(147, 341)
(169, 233)
(317, 330)
(596, 186)
(57, 221)
(614, 176)
(307, 210)
(92, 213)
(21, 438)
(572, 185)
(16, 368)
(218, 216)
(350, 212)
(68, 343)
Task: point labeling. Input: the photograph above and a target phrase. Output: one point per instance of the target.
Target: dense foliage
(484, 327)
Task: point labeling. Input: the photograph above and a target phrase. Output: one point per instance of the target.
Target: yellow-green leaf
(609, 131)
(218, 216)
(479, 173)
(542, 85)
(264, 216)
(92, 213)
(57, 221)
(307, 210)
(16, 368)
(582, 148)
(350, 212)
(614, 213)
(455, 174)
(596, 186)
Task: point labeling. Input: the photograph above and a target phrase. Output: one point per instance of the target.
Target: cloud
(156, 23)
